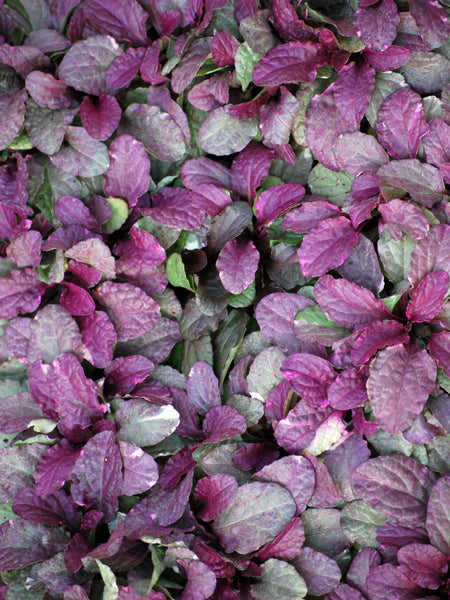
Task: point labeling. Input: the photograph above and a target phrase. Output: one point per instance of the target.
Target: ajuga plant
(224, 334)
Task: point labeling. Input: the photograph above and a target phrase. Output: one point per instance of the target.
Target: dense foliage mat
(225, 253)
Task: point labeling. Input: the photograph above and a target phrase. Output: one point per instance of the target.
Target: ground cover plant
(225, 254)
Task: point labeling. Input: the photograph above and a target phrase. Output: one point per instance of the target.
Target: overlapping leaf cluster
(225, 260)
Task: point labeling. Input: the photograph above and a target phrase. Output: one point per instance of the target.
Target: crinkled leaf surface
(279, 579)
(237, 264)
(144, 423)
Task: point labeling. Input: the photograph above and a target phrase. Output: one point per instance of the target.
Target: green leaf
(44, 198)
(111, 589)
(443, 380)
(176, 273)
(313, 314)
(119, 214)
(279, 580)
(227, 341)
(244, 62)
(334, 186)
(360, 523)
(6, 512)
(21, 142)
(17, 6)
(243, 299)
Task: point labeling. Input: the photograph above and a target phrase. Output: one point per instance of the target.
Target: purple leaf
(201, 581)
(99, 338)
(439, 347)
(95, 253)
(323, 124)
(286, 545)
(310, 376)
(428, 297)
(422, 181)
(320, 572)
(437, 142)
(25, 249)
(155, 129)
(275, 314)
(47, 91)
(20, 293)
(401, 123)
(203, 388)
(124, 68)
(176, 207)
(431, 253)
(125, 22)
(46, 128)
(55, 466)
(348, 304)
(325, 494)
(249, 168)
(126, 155)
(388, 581)
(220, 134)
(123, 374)
(326, 246)
(237, 264)
(100, 118)
(402, 216)
(131, 310)
(97, 475)
(375, 337)
(84, 156)
(85, 65)
(216, 492)
(351, 77)
(277, 200)
(289, 63)
(397, 373)
(24, 59)
(297, 430)
(16, 412)
(198, 171)
(190, 63)
(277, 119)
(145, 423)
(431, 20)
(222, 423)
(309, 215)
(210, 93)
(76, 300)
(397, 486)
(342, 461)
(362, 266)
(140, 471)
(223, 48)
(295, 473)
(438, 518)
(348, 390)
(177, 465)
(72, 211)
(423, 564)
(387, 60)
(376, 25)
(359, 153)
(363, 562)
(24, 543)
(256, 515)
(57, 509)
(344, 592)
(157, 343)
(12, 111)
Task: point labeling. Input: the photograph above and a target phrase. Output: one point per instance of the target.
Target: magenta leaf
(395, 485)
(123, 374)
(100, 118)
(401, 123)
(289, 63)
(431, 254)
(348, 304)
(56, 509)
(222, 423)
(297, 430)
(439, 347)
(128, 175)
(359, 153)
(431, 20)
(140, 471)
(94, 253)
(131, 310)
(351, 77)
(295, 473)
(401, 216)
(248, 169)
(97, 475)
(76, 300)
(423, 564)
(320, 572)
(55, 466)
(326, 246)
(125, 22)
(286, 545)
(124, 68)
(309, 215)
(99, 338)
(203, 388)
(47, 91)
(428, 297)
(25, 249)
(422, 181)
(389, 581)
(216, 492)
(438, 518)
(237, 264)
(310, 376)
(256, 515)
(20, 293)
(375, 337)
(376, 25)
(277, 200)
(223, 48)
(348, 390)
(396, 374)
